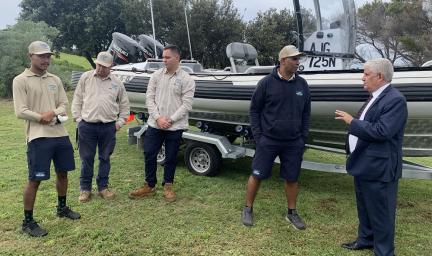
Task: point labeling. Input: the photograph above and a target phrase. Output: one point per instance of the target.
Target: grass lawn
(75, 60)
(205, 220)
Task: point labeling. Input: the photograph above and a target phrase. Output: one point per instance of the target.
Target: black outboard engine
(148, 43)
(126, 50)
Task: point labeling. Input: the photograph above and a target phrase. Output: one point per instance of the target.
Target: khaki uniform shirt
(33, 95)
(170, 96)
(100, 100)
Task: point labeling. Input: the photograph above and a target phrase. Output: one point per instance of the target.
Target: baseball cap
(289, 51)
(39, 47)
(105, 59)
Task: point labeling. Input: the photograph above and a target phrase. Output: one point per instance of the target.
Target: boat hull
(228, 100)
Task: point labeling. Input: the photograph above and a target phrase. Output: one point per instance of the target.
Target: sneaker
(106, 194)
(247, 216)
(66, 212)
(169, 194)
(33, 229)
(142, 192)
(84, 196)
(295, 220)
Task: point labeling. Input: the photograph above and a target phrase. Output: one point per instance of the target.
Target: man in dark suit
(375, 157)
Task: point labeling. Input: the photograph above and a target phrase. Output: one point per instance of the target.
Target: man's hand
(117, 127)
(164, 122)
(47, 117)
(342, 115)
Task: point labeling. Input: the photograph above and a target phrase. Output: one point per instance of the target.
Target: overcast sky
(248, 8)
(9, 12)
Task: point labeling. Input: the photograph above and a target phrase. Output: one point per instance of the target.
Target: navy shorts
(290, 154)
(41, 151)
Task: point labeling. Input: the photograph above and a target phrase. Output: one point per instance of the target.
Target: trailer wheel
(202, 159)
(161, 155)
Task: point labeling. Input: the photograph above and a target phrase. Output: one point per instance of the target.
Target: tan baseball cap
(289, 51)
(105, 59)
(39, 47)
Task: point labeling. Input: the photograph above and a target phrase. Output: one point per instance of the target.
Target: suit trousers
(376, 208)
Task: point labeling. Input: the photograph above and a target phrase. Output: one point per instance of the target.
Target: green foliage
(85, 24)
(63, 69)
(89, 24)
(269, 32)
(213, 25)
(397, 30)
(74, 59)
(13, 51)
(205, 220)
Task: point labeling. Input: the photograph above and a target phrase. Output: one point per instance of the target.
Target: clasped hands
(164, 122)
(47, 117)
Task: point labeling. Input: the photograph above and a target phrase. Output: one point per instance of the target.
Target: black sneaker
(66, 212)
(247, 216)
(33, 229)
(295, 220)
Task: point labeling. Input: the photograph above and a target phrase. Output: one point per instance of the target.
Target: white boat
(222, 97)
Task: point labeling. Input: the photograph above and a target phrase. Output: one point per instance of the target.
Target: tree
(13, 53)
(398, 30)
(168, 15)
(269, 32)
(86, 24)
(213, 25)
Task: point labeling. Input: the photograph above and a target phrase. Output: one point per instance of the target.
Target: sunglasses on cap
(295, 58)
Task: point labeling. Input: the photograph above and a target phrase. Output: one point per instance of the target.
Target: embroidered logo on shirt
(52, 87)
(178, 83)
(299, 93)
(114, 87)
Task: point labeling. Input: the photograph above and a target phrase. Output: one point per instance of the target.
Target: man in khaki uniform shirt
(39, 99)
(169, 98)
(100, 106)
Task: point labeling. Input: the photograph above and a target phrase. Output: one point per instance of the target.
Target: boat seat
(240, 54)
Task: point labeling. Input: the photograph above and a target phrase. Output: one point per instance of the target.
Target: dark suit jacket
(378, 153)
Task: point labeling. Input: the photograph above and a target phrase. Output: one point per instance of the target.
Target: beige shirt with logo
(100, 100)
(34, 94)
(170, 96)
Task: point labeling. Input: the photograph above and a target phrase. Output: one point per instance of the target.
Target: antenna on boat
(154, 33)
(187, 29)
(300, 42)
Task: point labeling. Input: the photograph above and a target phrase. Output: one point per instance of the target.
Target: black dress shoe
(355, 246)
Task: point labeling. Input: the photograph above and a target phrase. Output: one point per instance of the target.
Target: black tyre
(202, 159)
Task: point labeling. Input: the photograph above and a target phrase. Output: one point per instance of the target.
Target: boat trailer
(204, 152)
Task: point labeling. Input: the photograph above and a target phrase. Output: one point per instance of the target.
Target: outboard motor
(148, 43)
(126, 50)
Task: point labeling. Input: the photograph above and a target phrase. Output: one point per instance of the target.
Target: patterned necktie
(360, 112)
